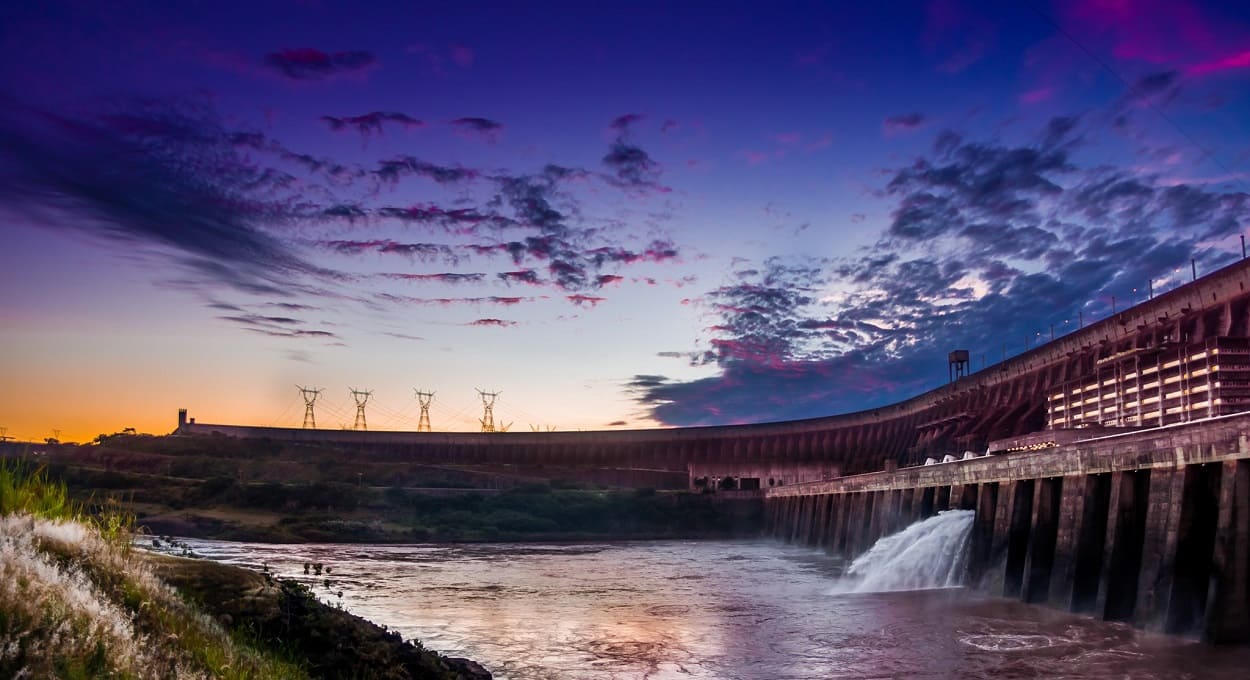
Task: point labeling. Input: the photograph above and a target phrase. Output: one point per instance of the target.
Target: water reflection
(710, 610)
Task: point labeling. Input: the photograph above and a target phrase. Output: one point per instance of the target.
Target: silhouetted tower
(957, 364)
(310, 395)
(362, 398)
(488, 410)
(423, 423)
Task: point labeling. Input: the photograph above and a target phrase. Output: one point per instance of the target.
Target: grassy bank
(77, 602)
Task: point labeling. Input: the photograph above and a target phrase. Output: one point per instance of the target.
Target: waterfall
(932, 553)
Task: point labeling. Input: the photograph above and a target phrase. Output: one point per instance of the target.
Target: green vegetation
(77, 602)
(219, 487)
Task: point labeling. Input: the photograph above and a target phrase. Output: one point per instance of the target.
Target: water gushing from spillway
(932, 553)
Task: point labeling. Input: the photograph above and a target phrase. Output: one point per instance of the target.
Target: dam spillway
(1150, 527)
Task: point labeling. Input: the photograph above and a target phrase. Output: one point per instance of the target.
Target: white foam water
(932, 553)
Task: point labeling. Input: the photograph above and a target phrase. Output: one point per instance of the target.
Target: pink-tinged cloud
(1232, 62)
(668, 126)
(306, 63)
(501, 323)
(900, 124)
(1200, 40)
(1037, 95)
(605, 279)
(580, 300)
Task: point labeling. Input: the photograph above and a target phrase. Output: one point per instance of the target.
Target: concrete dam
(1108, 469)
(1180, 356)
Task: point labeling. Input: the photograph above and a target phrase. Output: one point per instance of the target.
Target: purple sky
(615, 215)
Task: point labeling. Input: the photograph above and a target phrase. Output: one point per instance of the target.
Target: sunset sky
(614, 214)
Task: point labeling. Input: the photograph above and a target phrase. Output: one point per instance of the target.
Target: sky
(613, 215)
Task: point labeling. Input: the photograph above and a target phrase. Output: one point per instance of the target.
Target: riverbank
(78, 601)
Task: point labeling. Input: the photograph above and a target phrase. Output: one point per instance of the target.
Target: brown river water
(711, 609)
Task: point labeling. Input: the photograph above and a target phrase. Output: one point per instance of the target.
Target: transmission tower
(488, 410)
(362, 398)
(310, 395)
(423, 423)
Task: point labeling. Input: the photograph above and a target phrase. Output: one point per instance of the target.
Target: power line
(361, 397)
(310, 397)
(1206, 154)
(423, 422)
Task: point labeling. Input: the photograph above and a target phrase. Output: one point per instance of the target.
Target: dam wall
(1151, 527)
(1009, 399)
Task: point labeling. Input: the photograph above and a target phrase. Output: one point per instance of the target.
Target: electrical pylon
(310, 395)
(362, 398)
(488, 410)
(423, 423)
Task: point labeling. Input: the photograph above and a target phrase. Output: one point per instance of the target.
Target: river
(710, 609)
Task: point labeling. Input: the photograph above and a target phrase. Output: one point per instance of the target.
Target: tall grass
(75, 603)
(30, 491)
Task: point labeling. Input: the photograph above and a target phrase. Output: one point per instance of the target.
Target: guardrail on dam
(1150, 527)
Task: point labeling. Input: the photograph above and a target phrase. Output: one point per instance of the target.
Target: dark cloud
(159, 175)
(904, 123)
(371, 123)
(458, 220)
(276, 326)
(492, 322)
(588, 300)
(484, 128)
(989, 246)
(306, 63)
(424, 252)
(622, 124)
(403, 336)
(526, 276)
(444, 277)
(449, 301)
(633, 167)
(393, 169)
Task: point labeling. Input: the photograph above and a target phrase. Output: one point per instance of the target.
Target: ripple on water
(1008, 642)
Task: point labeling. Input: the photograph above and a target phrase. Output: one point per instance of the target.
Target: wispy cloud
(156, 174)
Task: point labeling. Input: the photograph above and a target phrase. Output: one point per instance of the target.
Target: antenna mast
(423, 423)
(310, 395)
(362, 398)
(488, 410)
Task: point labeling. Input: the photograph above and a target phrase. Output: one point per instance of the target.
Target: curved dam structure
(1181, 356)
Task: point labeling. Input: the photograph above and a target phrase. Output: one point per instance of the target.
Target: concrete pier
(1150, 527)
